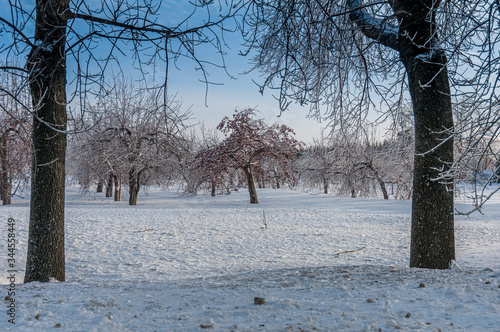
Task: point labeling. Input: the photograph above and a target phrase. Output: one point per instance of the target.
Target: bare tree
(346, 163)
(135, 137)
(74, 45)
(317, 164)
(334, 55)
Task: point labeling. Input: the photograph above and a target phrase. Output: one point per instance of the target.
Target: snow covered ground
(196, 263)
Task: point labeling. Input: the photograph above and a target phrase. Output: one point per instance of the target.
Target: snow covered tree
(394, 159)
(135, 138)
(249, 143)
(90, 40)
(346, 163)
(317, 164)
(333, 54)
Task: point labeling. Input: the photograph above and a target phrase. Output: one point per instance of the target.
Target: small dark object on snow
(421, 285)
(488, 282)
(408, 315)
(259, 300)
(58, 325)
(7, 298)
(371, 301)
(206, 326)
(37, 316)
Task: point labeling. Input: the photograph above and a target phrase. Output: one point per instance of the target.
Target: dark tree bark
(213, 184)
(100, 185)
(252, 191)
(432, 235)
(109, 186)
(134, 185)
(118, 188)
(382, 187)
(380, 180)
(325, 184)
(47, 65)
(432, 232)
(5, 185)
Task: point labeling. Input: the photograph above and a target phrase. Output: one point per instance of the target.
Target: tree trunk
(134, 185)
(432, 232)
(109, 186)
(100, 185)
(432, 235)
(382, 187)
(118, 188)
(47, 65)
(350, 185)
(5, 185)
(252, 191)
(213, 188)
(380, 181)
(325, 184)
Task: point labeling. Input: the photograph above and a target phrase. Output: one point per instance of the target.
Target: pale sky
(233, 94)
(239, 93)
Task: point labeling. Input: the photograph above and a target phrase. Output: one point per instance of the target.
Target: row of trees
(131, 138)
(354, 166)
(135, 140)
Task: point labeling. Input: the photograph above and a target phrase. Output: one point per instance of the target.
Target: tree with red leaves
(249, 146)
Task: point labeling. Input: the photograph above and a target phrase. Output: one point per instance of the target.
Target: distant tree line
(133, 142)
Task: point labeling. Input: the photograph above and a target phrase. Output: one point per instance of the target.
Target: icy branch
(372, 27)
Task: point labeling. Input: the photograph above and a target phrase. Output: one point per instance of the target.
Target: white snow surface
(176, 263)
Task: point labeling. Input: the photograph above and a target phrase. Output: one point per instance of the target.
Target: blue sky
(230, 94)
(238, 93)
(184, 81)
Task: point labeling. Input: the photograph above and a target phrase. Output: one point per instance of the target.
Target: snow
(196, 263)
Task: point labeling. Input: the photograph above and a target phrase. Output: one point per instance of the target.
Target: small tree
(249, 143)
(54, 35)
(317, 164)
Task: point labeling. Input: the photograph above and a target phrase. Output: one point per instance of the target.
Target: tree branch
(374, 28)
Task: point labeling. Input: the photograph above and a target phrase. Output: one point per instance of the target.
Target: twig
(349, 251)
(145, 230)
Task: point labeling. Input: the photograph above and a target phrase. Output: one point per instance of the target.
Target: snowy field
(196, 264)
